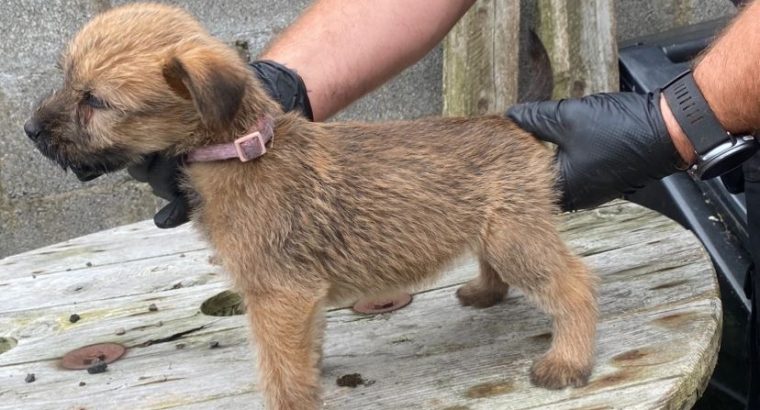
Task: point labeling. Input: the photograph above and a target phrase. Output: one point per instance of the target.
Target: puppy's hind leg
(534, 258)
(484, 291)
(287, 328)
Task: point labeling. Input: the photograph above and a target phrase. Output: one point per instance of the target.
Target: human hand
(162, 173)
(609, 145)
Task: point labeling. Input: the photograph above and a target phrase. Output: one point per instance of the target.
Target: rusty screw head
(86, 356)
(383, 305)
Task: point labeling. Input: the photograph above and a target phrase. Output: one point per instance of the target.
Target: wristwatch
(718, 151)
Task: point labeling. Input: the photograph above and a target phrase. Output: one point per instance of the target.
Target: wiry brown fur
(333, 211)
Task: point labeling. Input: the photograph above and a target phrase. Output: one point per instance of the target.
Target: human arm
(612, 144)
(344, 49)
(727, 74)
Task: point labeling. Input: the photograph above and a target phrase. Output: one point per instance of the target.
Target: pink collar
(245, 148)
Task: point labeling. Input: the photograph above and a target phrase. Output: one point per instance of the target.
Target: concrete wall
(643, 17)
(39, 204)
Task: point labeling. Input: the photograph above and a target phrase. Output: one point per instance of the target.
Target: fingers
(174, 214)
(164, 177)
(542, 119)
(140, 171)
(161, 173)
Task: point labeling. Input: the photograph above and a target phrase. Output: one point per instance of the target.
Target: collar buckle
(250, 146)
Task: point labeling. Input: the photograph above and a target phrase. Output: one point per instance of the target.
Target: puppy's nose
(33, 129)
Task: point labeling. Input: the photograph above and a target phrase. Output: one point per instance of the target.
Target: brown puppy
(331, 212)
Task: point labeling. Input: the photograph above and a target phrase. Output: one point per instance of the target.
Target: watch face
(719, 169)
(725, 158)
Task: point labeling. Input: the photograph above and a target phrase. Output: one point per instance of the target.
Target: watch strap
(693, 114)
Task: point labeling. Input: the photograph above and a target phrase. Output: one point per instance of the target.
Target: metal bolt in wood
(387, 304)
(84, 357)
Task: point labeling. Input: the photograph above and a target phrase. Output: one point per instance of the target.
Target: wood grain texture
(480, 60)
(657, 341)
(579, 36)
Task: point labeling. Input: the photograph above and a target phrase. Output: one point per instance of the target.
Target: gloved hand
(609, 145)
(162, 173)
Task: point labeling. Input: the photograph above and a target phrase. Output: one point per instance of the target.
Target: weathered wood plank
(580, 39)
(184, 259)
(633, 268)
(658, 335)
(114, 246)
(480, 59)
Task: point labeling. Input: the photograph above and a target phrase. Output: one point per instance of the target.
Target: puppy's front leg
(287, 327)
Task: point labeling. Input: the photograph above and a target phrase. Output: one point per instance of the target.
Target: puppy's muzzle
(36, 132)
(33, 129)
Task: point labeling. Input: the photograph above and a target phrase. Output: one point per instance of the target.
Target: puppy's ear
(210, 79)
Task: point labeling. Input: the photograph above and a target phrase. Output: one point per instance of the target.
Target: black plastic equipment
(716, 216)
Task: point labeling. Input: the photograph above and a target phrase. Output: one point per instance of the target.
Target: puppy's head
(138, 79)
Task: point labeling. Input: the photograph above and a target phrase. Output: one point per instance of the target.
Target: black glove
(162, 173)
(284, 86)
(609, 145)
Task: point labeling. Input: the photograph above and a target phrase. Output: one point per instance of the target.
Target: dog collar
(245, 148)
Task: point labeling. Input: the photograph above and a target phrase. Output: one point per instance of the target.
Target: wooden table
(657, 341)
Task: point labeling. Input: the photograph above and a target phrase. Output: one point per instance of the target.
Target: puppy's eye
(93, 101)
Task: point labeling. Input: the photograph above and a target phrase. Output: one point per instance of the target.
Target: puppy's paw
(553, 373)
(474, 294)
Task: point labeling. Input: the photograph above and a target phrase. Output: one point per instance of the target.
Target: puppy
(331, 212)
